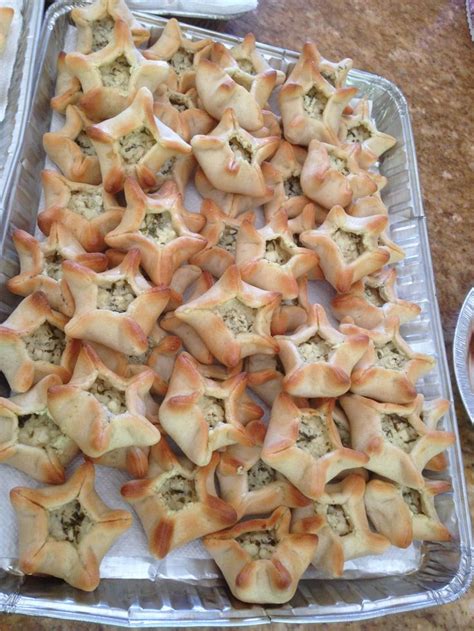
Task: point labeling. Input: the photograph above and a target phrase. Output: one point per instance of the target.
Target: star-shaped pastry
(111, 77)
(203, 415)
(136, 143)
(132, 460)
(334, 73)
(117, 308)
(33, 344)
(292, 312)
(65, 531)
(29, 438)
(262, 560)
(155, 225)
(101, 410)
(41, 265)
(233, 318)
(177, 502)
(182, 112)
(88, 211)
(339, 519)
(231, 157)
(68, 88)
(431, 413)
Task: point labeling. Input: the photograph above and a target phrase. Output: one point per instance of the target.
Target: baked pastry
(33, 344)
(41, 265)
(66, 530)
(318, 359)
(117, 307)
(250, 485)
(265, 375)
(397, 442)
(231, 157)
(181, 53)
(95, 24)
(304, 445)
(233, 318)
(29, 438)
(404, 515)
(389, 370)
(132, 460)
(181, 112)
(203, 415)
(292, 313)
(100, 410)
(88, 211)
(334, 72)
(68, 88)
(6, 17)
(269, 258)
(431, 413)
(261, 559)
(339, 519)
(177, 502)
(155, 225)
(136, 143)
(348, 247)
(111, 77)
(332, 175)
(243, 61)
(373, 299)
(71, 149)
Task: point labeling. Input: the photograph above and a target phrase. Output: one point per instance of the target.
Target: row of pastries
(153, 339)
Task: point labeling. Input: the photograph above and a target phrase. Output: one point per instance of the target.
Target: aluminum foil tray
(169, 595)
(463, 353)
(13, 126)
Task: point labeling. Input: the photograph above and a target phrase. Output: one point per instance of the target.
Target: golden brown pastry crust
(291, 314)
(68, 88)
(334, 73)
(182, 112)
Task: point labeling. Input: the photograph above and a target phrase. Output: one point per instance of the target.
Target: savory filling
(85, 144)
(276, 251)
(414, 501)
(399, 432)
(247, 66)
(159, 227)
(136, 144)
(115, 297)
(166, 169)
(375, 295)
(314, 350)
(314, 102)
(293, 186)
(39, 430)
(69, 523)
(110, 397)
(340, 164)
(180, 102)
(52, 266)
(213, 410)
(177, 492)
(358, 133)
(228, 238)
(259, 544)
(89, 204)
(116, 75)
(260, 475)
(351, 245)
(144, 357)
(390, 357)
(181, 61)
(338, 520)
(239, 318)
(46, 344)
(313, 436)
(241, 148)
(102, 31)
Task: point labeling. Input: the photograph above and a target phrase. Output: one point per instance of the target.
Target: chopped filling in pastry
(213, 410)
(337, 163)
(115, 297)
(70, 523)
(228, 238)
(293, 186)
(390, 357)
(315, 350)
(136, 144)
(117, 75)
(241, 147)
(102, 31)
(260, 544)
(177, 492)
(314, 102)
(260, 475)
(375, 295)
(313, 436)
(358, 133)
(182, 61)
(180, 102)
(52, 266)
(46, 344)
(144, 357)
(338, 520)
(344, 432)
(350, 244)
(239, 318)
(276, 251)
(413, 500)
(39, 430)
(166, 169)
(399, 432)
(110, 397)
(89, 204)
(159, 227)
(247, 66)
(85, 143)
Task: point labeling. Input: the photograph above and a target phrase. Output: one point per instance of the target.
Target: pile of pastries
(153, 339)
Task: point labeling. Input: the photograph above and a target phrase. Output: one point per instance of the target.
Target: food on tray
(6, 17)
(146, 329)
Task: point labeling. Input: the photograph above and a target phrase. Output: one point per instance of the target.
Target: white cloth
(7, 58)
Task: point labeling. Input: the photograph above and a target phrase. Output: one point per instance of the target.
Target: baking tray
(12, 128)
(444, 570)
(209, 11)
(462, 344)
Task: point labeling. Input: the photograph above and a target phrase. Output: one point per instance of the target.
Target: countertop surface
(425, 48)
